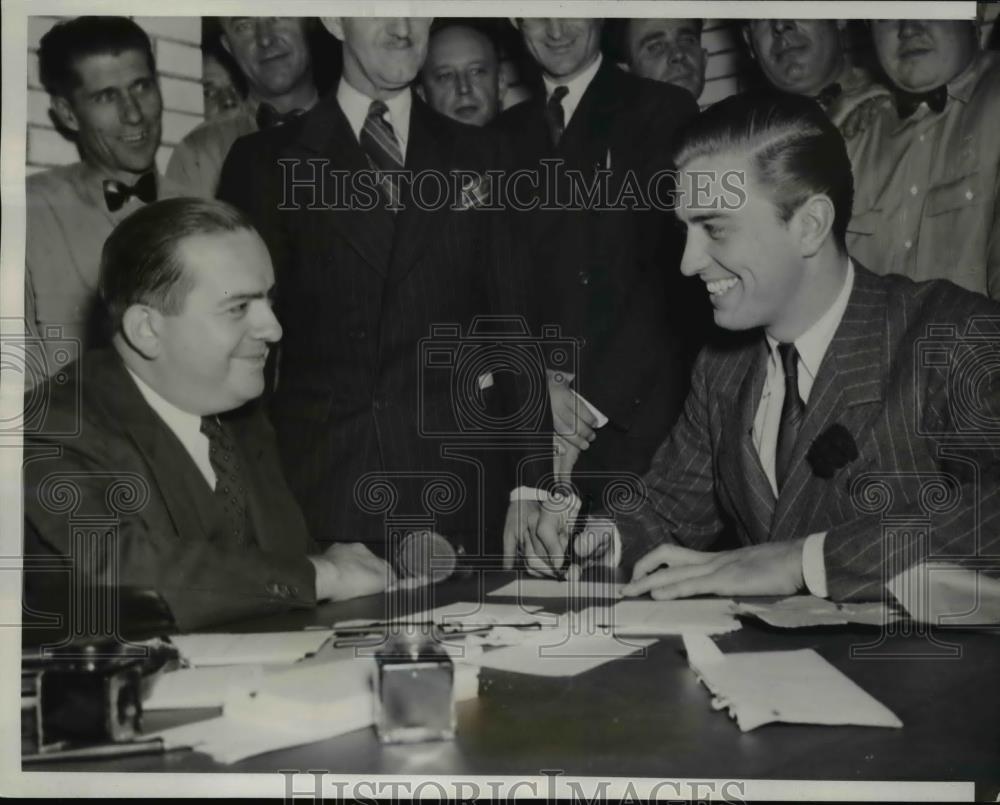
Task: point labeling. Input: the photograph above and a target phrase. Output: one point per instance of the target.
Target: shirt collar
(355, 104)
(182, 423)
(576, 86)
(965, 83)
(814, 342)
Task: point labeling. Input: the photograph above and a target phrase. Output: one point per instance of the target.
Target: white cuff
(528, 493)
(813, 565)
(601, 419)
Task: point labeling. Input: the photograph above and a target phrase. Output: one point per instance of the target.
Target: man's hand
(774, 568)
(539, 532)
(349, 570)
(594, 545)
(571, 419)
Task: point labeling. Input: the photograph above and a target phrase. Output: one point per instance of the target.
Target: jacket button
(358, 335)
(584, 278)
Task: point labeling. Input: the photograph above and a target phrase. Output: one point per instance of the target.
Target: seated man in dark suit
(845, 411)
(159, 436)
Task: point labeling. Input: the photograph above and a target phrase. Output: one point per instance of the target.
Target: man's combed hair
(139, 263)
(69, 41)
(793, 146)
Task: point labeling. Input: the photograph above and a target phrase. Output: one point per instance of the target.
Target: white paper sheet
(253, 648)
(800, 687)
(201, 687)
(555, 655)
(808, 610)
(307, 703)
(947, 595)
(467, 614)
(552, 588)
(700, 616)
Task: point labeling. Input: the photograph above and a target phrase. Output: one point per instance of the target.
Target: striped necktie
(379, 142)
(792, 412)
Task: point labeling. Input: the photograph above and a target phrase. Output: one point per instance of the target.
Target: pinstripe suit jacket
(908, 376)
(356, 293)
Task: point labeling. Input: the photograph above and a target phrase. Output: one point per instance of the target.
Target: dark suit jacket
(131, 472)
(610, 279)
(908, 376)
(358, 293)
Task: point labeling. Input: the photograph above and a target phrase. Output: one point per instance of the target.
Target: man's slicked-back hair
(792, 145)
(139, 262)
(71, 40)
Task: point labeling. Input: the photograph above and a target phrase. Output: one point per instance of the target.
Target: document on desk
(201, 687)
(947, 595)
(249, 649)
(799, 687)
(463, 613)
(311, 702)
(800, 611)
(551, 654)
(700, 616)
(552, 588)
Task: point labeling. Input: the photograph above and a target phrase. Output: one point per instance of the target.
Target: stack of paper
(307, 703)
(792, 686)
(551, 588)
(554, 653)
(200, 687)
(947, 595)
(808, 610)
(248, 649)
(700, 616)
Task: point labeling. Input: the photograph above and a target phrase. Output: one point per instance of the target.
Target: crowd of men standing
(382, 423)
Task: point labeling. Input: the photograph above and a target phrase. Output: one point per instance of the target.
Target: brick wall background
(176, 46)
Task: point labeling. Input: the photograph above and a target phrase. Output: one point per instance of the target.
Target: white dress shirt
(355, 106)
(576, 86)
(185, 426)
(811, 347)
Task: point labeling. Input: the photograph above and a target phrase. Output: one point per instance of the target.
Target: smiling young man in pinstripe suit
(847, 408)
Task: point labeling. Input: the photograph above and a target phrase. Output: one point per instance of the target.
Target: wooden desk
(649, 717)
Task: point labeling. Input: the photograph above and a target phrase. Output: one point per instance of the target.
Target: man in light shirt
(835, 413)
(166, 416)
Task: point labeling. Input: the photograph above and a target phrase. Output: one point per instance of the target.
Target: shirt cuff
(813, 565)
(601, 419)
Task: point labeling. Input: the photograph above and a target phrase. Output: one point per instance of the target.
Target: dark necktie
(829, 94)
(792, 411)
(555, 115)
(117, 193)
(378, 140)
(230, 493)
(908, 102)
(268, 117)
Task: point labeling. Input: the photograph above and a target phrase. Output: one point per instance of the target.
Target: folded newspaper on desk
(799, 687)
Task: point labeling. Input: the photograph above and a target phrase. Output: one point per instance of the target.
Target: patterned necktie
(792, 411)
(555, 115)
(908, 102)
(230, 493)
(268, 117)
(117, 193)
(378, 140)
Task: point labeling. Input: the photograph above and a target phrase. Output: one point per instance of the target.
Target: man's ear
(335, 25)
(501, 86)
(141, 328)
(814, 222)
(419, 89)
(745, 33)
(63, 110)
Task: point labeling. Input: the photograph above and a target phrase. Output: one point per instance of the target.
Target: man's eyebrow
(652, 36)
(245, 297)
(704, 217)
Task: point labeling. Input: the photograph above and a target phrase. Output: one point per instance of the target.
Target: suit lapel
(757, 505)
(251, 451)
(589, 133)
(326, 134)
(848, 390)
(424, 151)
(174, 473)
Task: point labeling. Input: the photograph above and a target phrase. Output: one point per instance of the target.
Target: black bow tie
(268, 117)
(117, 193)
(829, 94)
(908, 102)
